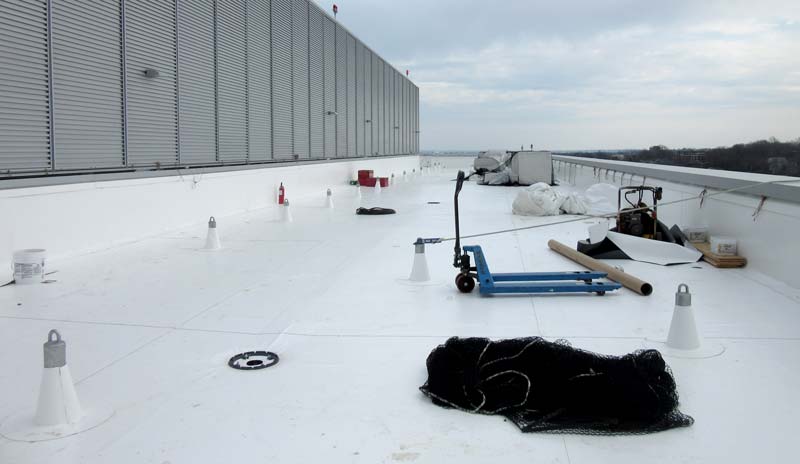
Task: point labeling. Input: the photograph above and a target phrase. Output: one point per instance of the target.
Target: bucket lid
(29, 252)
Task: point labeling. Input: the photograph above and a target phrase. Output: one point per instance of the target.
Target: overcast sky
(567, 74)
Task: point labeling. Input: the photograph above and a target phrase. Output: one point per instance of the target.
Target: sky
(591, 74)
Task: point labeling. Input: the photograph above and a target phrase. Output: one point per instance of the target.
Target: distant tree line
(764, 156)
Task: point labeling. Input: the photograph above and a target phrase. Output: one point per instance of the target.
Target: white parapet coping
(761, 184)
(764, 230)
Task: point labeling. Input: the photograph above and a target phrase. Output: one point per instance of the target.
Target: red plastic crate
(371, 182)
(365, 174)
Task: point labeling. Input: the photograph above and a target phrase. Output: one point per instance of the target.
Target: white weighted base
(708, 349)
(21, 426)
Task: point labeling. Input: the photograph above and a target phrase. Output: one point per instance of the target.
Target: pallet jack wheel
(601, 293)
(465, 283)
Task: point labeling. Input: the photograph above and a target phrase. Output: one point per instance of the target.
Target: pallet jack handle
(457, 248)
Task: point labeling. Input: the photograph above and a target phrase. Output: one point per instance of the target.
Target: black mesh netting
(544, 386)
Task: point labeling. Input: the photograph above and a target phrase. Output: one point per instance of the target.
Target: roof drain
(253, 360)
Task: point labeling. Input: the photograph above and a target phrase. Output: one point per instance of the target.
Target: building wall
(75, 218)
(238, 82)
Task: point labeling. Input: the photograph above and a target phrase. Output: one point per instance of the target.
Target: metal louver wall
(399, 112)
(351, 95)
(415, 113)
(24, 81)
(381, 97)
(87, 106)
(389, 95)
(341, 92)
(300, 77)
(232, 80)
(402, 110)
(394, 102)
(359, 119)
(412, 116)
(368, 102)
(405, 116)
(415, 119)
(196, 91)
(412, 123)
(376, 98)
(409, 147)
(282, 137)
(329, 29)
(259, 117)
(397, 104)
(419, 125)
(152, 101)
(387, 109)
(127, 84)
(316, 79)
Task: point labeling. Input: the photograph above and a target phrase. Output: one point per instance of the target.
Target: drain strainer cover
(253, 360)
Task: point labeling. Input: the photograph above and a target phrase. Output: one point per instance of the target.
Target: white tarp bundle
(497, 178)
(574, 204)
(541, 199)
(537, 200)
(602, 198)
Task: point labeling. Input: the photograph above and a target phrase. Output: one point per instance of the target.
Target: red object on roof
(335, 9)
(366, 178)
(370, 182)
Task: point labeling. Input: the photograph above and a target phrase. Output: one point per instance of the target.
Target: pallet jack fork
(517, 282)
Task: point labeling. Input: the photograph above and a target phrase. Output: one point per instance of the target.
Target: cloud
(593, 74)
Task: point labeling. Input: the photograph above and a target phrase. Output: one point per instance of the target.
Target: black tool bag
(374, 211)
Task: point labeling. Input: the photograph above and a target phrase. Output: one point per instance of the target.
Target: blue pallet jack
(518, 282)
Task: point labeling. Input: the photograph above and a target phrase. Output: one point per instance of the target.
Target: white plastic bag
(538, 200)
(574, 204)
(602, 198)
(496, 178)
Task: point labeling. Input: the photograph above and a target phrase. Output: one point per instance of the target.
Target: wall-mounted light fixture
(150, 73)
(331, 113)
(367, 121)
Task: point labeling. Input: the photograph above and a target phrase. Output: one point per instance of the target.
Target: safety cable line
(702, 195)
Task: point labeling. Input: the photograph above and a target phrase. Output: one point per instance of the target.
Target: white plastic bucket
(28, 266)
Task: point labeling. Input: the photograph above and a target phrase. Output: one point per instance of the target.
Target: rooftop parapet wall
(76, 218)
(762, 184)
(769, 236)
(767, 233)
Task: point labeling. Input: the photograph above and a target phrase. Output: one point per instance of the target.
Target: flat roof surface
(150, 327)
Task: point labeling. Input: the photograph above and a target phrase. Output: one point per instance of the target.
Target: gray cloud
(592, 74)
